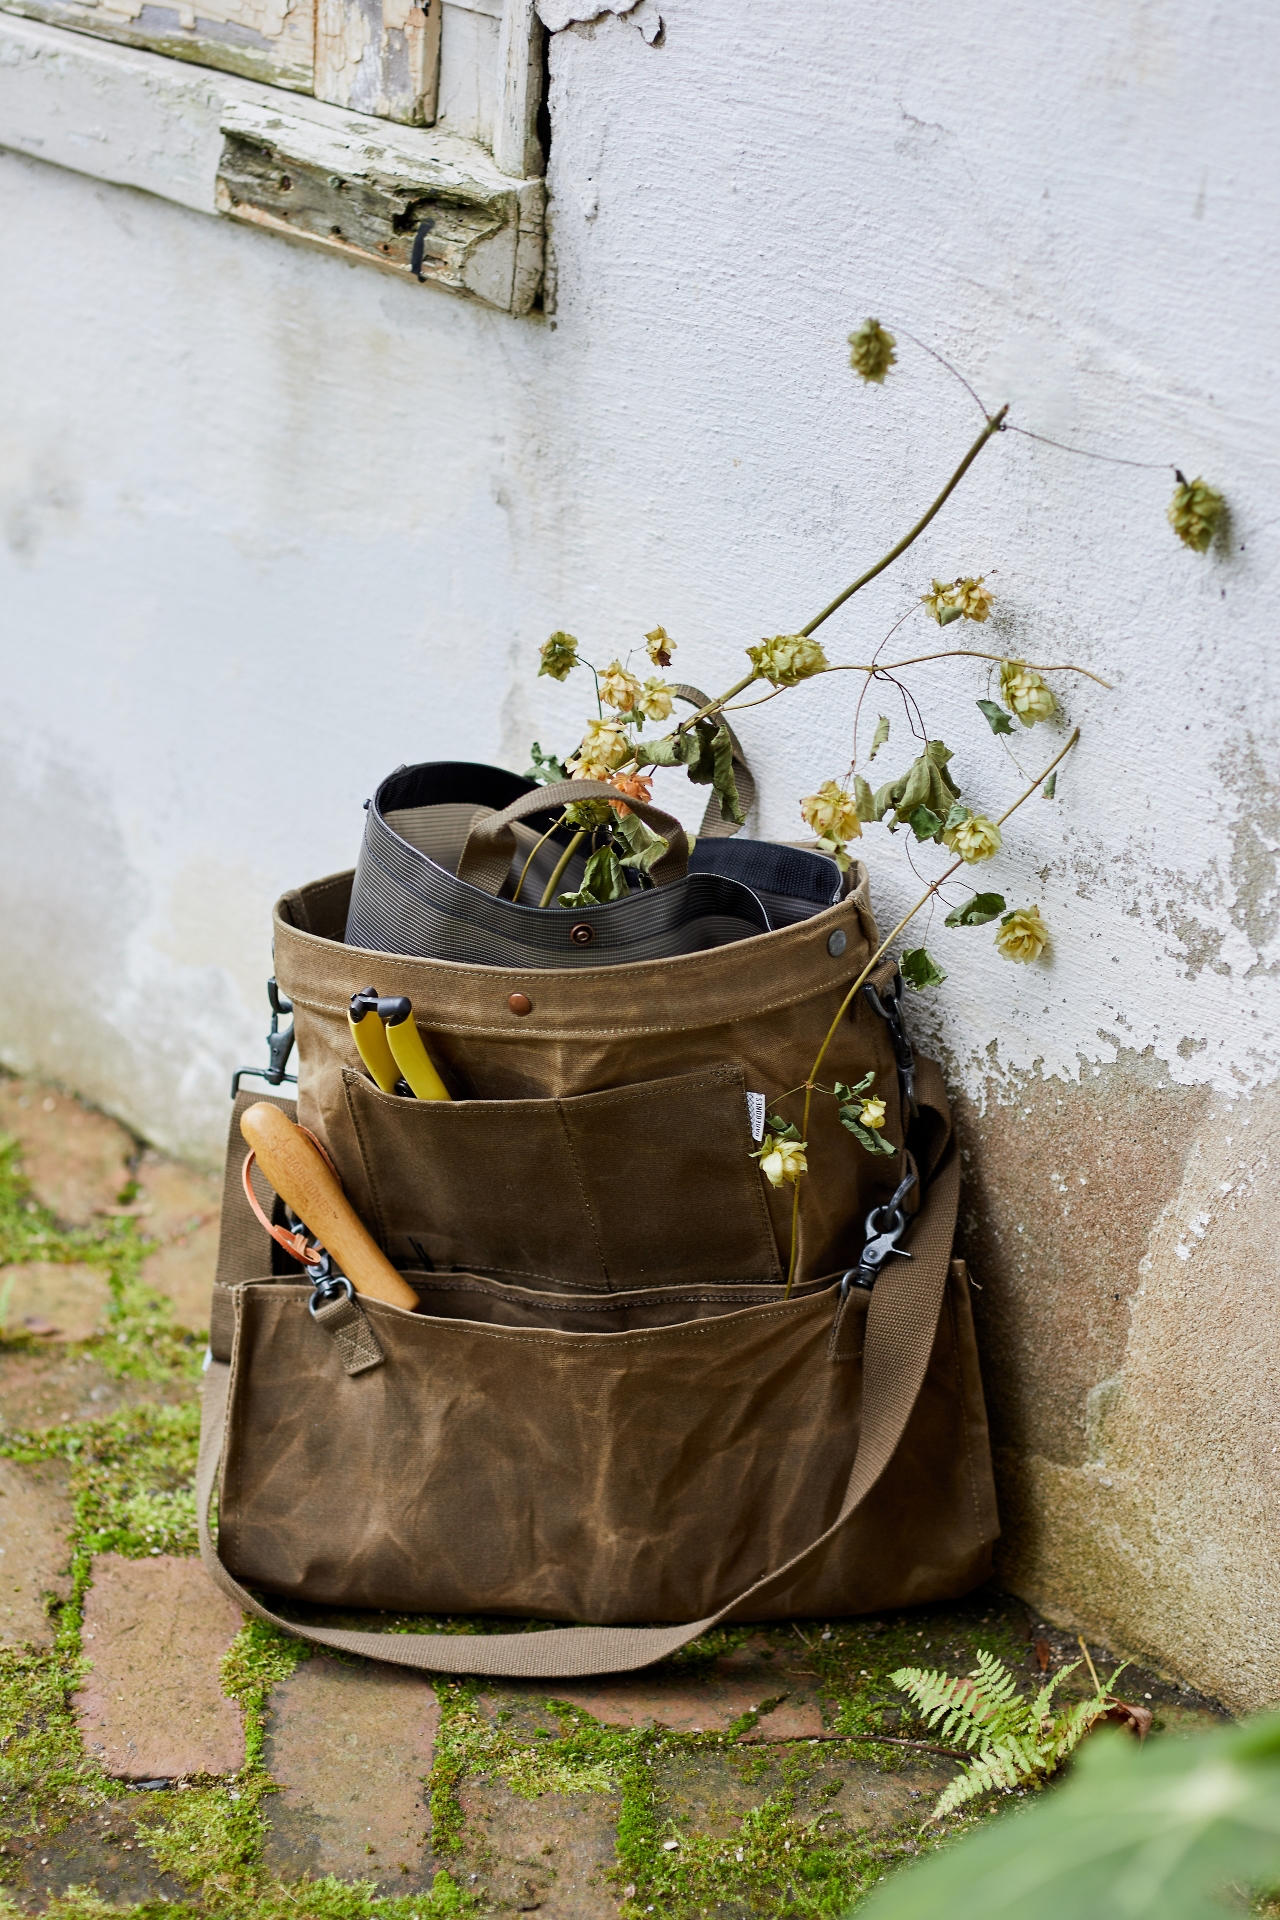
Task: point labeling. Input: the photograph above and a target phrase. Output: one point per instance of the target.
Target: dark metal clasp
(326, 1284)
(890, 1011)
(279, 1046)
(884, 1227)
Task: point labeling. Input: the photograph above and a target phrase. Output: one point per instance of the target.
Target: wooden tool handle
(307, 1183)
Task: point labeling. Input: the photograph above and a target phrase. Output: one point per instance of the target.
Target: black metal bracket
(279, 1046)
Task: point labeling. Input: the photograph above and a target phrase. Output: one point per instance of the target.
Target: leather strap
(902, 1322)
(487, 856)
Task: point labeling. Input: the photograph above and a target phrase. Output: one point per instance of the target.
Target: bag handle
(487, 856)
(902, 1322)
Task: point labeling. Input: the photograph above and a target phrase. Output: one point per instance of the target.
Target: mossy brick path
(161, 1757)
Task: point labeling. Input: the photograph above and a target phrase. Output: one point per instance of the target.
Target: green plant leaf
(643, 845)
(864, 801)
(956, 817)
(868, 1137)
(673, 750)
(864, 1085)
(783, 1129)
(977, 912)
(602, 880)
(997, 719)
(1050, 786)
(544, 767)
(920, 969)
(723, 783)
(947, 614)
(1155, 1832)
(881, 735)
(925, 824)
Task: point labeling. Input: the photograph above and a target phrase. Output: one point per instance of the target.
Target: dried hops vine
(926, 799)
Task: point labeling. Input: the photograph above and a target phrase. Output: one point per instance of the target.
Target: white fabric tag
(756, 1104)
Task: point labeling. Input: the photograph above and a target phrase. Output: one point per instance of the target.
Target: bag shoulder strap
(902, 1323)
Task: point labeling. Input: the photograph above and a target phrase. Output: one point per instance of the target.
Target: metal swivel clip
(884, 1228)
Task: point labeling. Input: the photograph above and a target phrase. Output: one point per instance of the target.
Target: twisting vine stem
(928, 894)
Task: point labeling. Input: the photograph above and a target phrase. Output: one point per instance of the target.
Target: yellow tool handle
(414, 1061)
(307, 1183)
(370, 1037)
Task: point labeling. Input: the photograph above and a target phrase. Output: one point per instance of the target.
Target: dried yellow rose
(872, 1114)
(1195, 513)
(974, 839)
(661, 646)
(655, 699)
(604, 747)
(618, 688)
(1022, 934)
(832, 813)
(783, 1161)
(559, 656)
(966, 598)
(787, 658)
(873, 351)
(1025, 692)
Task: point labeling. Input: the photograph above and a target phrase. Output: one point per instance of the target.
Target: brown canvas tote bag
(605, 1409)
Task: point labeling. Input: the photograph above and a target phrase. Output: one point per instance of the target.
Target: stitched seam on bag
(528, 1337)
(231, 1433)
(587, 1208)
(348, 1077)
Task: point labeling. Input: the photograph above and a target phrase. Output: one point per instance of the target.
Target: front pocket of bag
(647, 1185)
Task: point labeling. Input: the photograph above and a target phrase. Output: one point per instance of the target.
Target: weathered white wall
(274, 524)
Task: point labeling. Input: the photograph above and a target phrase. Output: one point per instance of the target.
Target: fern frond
(989, 1773)
(1043, 1700)
(947, 1705)
(994, 1679)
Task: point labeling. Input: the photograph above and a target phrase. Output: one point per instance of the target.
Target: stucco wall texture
(274, 524)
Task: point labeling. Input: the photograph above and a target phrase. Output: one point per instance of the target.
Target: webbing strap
(902, 1322)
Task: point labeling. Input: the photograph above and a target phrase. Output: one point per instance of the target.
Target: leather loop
(490, 848)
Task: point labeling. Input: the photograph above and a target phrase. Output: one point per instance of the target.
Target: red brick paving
(152, 1707)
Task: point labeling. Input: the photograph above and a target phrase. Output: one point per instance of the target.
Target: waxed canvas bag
(606, 1410)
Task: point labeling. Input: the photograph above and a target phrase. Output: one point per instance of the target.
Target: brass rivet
(582, 935)
(520, 1003)
(837, 942)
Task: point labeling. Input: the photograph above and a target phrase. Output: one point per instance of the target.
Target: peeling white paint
(313, 523)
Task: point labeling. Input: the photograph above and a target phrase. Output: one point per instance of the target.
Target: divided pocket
(640, 1186)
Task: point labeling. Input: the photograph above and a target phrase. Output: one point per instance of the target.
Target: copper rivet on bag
(520, 1003)
(582, 935)
(836, 943)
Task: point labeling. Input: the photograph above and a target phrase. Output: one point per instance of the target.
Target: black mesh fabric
(791, 882)
(403, 901)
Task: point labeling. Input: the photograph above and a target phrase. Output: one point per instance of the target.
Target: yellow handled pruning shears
(390, 1045)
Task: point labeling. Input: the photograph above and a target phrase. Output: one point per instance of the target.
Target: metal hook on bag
(279, 1046)
(890, 1012)
(884, 1227)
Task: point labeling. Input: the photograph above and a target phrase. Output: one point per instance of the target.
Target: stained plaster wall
(274, 524)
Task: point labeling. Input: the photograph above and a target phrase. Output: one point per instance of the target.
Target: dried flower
(782, 1161)
(974, 839)
(1022, 934)
(1195, 513)
(873, 351)
(559, 657)
(832, 814)
(604, 747)
(1025, 692)
(872, 1114)
(587, 815)
(634, 785)
(787, 658)
(618, 688)
(655, 699)
(661, 646)
(966, 598)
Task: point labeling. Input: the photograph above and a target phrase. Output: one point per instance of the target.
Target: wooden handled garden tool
(296, 1166)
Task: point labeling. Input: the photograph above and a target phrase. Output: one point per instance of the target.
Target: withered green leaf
(881, 735)
(977, 912)
(920, 969)
(997, 719)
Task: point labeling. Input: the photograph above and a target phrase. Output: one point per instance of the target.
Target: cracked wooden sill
(313, 174)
